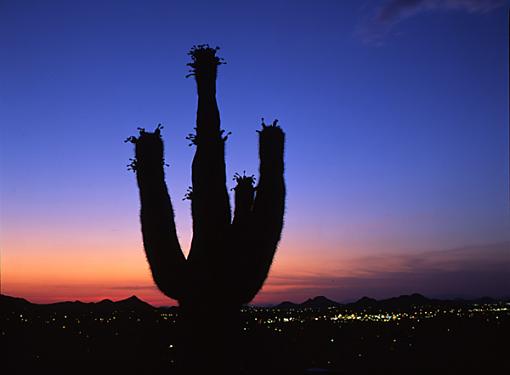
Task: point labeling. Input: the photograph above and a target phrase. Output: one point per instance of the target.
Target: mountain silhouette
(319, 302)
(403, 302)
(14, 303)
(287, 305)
(89, 341)
(486, 300)
(407, 300)
(105, 302)
(132, 303)
(366, 301)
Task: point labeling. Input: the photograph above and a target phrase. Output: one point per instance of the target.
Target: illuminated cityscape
(389, 176)
(459, 335)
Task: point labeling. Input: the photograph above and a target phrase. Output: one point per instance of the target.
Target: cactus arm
(164, 254)
(243, 197)
(243, 261)
(268, 207)
(269, 204)
(210, 205)
(229, 260)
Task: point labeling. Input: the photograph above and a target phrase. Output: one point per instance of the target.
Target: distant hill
(132, 303)
(485, 300)
(287, 305)
(365, 302)
(403, 302)
(13, 303)
(395, 303)
(319, 302)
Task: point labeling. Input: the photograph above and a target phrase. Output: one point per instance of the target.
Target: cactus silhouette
(229, 258)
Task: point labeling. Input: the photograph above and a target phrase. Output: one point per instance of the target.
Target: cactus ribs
(229, 259)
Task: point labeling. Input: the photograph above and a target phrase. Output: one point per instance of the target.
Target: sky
(396, 121)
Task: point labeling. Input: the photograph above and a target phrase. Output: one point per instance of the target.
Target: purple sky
(396, 114)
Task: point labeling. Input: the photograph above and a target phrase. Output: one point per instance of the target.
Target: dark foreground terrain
(405, 335)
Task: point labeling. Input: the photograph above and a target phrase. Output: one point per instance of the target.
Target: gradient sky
(397, 140)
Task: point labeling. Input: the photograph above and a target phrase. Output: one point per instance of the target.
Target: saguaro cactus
(229, 258)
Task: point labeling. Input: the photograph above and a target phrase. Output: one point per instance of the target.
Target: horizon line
(457, 298)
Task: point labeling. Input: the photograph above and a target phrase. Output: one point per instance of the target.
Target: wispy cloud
(466, 272)
(133, 287)
(384, 19)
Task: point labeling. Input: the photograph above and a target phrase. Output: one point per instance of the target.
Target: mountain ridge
(134, 303)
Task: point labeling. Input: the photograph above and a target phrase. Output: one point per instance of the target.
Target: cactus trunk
(209, 337)
(229, 259)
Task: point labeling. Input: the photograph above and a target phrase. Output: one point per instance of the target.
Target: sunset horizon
(396, 159)
(349, 285)
(245, 188)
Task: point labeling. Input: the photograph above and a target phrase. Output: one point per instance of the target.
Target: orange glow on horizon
(56, 274)
(44, 270)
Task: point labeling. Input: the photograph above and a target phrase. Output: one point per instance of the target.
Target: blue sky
(396, 116)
